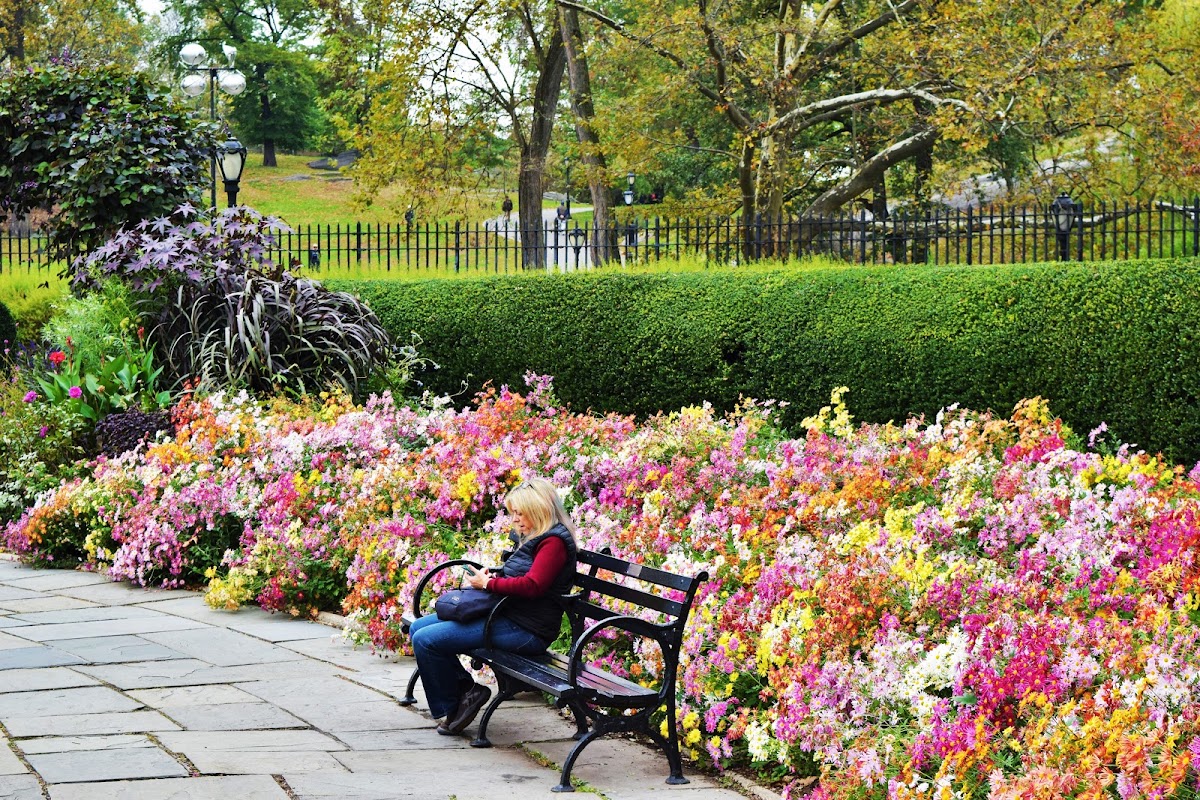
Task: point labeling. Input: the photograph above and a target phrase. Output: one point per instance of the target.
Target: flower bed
(969, 607)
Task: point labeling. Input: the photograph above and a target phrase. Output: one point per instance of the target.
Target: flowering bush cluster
(973, 607)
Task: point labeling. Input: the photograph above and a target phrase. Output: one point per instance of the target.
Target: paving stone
(10, 592)
(385, 786)
(67, 744)
(83, 700)
(37, 680)
(117, 649)
(43, 603)
(231, 762)
(189, 742)
(629, 771)
(191, 696)
(81, 766)
(190, 672)
(375, 716)
(422, 738)
(20, 787)
(33, 657)
(117, 594)
(92, 613)
(9, 763)
(344, 654)
(109, 627)
(427, 770)
(296, 693)
(10, 642)
(8, 622)
(193, 607)
(88, 724)
(241, 787)
(49, 580)
(223, 648)
(233, 717)
(281, 630)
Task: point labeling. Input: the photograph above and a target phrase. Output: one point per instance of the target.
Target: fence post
(358, 242)
(1079, 237)
(456, 244)
(1196, 227)
(970, 237)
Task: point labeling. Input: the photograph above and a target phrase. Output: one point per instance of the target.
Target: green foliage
(295, 117)
(100, 145)
(1102, 342)
(39, 446)
(8, 326)
(94, 326)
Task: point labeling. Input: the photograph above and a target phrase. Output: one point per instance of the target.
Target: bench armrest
(428, 576)
(634, 625)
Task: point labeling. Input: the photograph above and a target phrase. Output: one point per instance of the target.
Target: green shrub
(1111, 342)
(8, 326)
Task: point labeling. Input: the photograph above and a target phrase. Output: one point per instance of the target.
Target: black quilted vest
(542, 615)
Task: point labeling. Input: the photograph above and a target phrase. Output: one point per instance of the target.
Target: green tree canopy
(99, 147)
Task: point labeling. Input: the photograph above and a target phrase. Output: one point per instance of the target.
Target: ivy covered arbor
(97, 147)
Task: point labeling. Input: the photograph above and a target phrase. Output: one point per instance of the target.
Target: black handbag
(465, 605)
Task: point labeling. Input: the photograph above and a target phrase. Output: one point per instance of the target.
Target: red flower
(57, 357)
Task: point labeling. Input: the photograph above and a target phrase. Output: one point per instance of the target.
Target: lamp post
(1062, 212)
(629, 192)
(577, 235)
(568, 162)
(195, 58)
(233, 159)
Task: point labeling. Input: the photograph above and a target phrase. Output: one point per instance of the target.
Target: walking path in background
(560, 255)
(111, 692)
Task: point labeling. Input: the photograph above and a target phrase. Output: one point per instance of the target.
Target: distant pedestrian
(507, 207)
(561, 216)
(408, 216)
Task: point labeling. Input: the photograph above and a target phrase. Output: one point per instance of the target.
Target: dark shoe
(468, 708)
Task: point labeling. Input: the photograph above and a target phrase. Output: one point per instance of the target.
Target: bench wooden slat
(629, 594)
(548, 673)
(638, 571)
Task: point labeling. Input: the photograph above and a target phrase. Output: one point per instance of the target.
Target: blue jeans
(438, 643)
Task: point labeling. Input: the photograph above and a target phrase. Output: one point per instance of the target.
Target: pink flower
(44, 430)
(75, 392)
(30, 396)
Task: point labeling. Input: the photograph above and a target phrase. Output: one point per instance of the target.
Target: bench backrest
(594, 578)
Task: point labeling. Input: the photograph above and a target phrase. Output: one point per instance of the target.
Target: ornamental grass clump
(226, 316)
(969, 606)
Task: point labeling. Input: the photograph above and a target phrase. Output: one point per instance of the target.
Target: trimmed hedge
(1112, 342)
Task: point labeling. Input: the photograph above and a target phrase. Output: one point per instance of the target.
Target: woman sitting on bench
(533, 578)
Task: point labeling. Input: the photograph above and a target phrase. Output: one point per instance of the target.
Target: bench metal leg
(671, 748)
(581, 723)
(505, 690)
(564, 783)
(408, 698)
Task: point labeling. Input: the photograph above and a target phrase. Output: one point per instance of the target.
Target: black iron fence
(974, 235)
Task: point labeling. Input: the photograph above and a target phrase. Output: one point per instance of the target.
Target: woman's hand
(477, 578)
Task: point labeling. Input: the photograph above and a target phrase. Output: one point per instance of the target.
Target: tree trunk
(16, 47)
(749, 209)
(591, 152)
(268, 144)
(923, 169)
(769, 188)
(533, 152)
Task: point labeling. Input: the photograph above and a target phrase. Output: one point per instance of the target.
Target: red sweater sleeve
(548, 560)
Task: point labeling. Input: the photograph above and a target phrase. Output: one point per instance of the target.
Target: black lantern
(232, 160)
(1063, 212)
(578, 235)
(629, 191)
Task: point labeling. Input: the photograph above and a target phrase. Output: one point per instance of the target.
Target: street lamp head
(193, 55)
(232, 82)
(230, 54)
(628, 197)
(193, 84)
(631, 178)
(577, 236)
(232, 159)
(1063, 212)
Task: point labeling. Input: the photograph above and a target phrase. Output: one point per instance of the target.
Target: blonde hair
(538, 500)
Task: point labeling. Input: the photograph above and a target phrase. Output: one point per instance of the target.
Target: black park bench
(600, 702)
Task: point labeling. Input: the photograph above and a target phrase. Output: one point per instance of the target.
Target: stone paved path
(109, 692)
